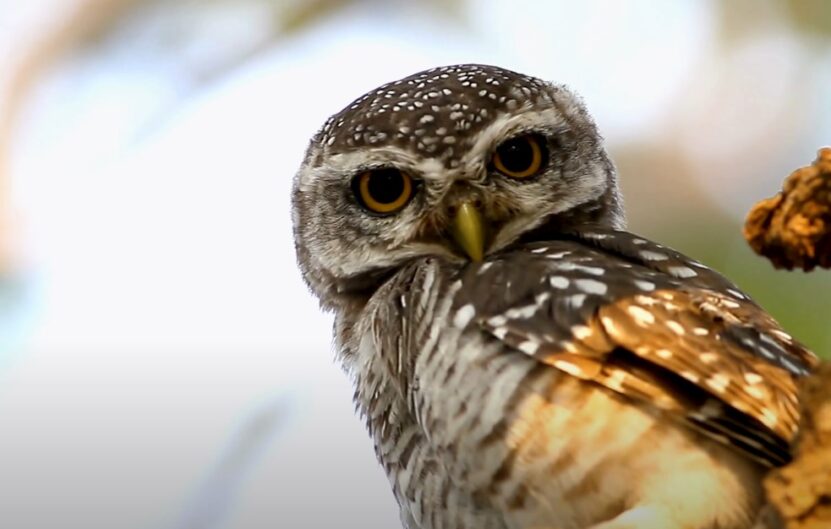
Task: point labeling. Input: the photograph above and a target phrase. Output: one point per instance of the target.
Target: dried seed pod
(793, 228)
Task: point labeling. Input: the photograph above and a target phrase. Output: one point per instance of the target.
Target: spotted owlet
(522, 361)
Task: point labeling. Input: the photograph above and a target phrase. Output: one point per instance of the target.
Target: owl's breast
(544, 448)
(470, 428)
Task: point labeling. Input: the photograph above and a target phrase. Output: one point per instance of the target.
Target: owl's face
(459, 161)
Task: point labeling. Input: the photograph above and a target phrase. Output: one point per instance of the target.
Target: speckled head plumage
(441, 126)
(438, 113)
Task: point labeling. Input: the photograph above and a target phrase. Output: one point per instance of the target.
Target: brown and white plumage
(574, 376)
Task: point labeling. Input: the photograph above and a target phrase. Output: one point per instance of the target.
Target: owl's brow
(548, 122)
(353, 163)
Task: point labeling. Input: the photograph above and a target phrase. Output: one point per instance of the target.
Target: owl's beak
(468, 230)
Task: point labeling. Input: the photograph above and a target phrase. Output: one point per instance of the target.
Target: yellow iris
(519, 157)
(384, 191)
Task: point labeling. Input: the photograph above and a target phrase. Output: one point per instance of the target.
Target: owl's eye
(383, 191)
(519, 157)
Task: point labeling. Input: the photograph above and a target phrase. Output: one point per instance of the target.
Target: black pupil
(386, 185)
(516, 155)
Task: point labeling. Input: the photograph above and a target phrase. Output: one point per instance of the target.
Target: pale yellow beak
(468, 230)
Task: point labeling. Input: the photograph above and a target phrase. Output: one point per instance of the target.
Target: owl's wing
(651, 324)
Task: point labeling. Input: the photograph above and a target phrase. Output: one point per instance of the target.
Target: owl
(522, 361)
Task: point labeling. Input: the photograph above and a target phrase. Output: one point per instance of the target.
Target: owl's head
(458, 161)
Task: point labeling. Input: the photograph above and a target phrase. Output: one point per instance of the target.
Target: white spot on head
(653, 256)
(591, 286)
(700, 331)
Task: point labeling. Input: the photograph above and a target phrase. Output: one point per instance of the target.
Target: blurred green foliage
(297, 15)
(810, 17)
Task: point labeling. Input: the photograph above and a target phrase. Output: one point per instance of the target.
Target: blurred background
(161, 363)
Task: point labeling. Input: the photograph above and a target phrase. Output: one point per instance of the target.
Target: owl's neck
(381, 389)
(605, 211)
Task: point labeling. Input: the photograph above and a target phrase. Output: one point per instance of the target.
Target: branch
(801, 491)
(793, 230)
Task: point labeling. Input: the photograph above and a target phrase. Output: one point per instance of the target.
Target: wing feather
(649, 323)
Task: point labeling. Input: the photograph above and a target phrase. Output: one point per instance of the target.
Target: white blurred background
(161, 363)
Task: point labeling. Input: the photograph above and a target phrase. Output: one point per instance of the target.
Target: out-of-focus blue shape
(16, 314)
